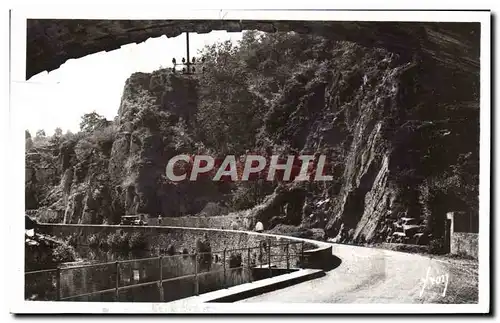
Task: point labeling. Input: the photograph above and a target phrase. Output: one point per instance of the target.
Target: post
(249, 266)
(58, 284)
(269, 258)
(302, 260)
(160, 283)
(188, 62)
(117, 272)
(224, 266)
(448, 233)
(196, 283)
(288, 255)
(260, 253)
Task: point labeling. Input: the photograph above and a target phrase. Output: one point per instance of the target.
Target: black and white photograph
(252, 161)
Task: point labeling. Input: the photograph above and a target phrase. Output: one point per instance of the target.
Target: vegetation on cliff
(43, 252)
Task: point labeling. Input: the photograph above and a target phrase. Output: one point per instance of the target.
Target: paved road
(368, 275)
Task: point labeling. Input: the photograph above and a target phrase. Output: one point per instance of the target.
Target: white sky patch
(95, 82)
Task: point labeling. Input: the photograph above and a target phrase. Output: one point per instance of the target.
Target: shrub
(104, 138)
(92, 122)
(436, 246)
(235, 260)
(63, 253)
(28, 144)
(50, 216)
(249, 194)
(72, 239)
(234, 225)
(137, 241)
(171, 250)
(205, 251)
(203, 246)
(118, 240)
(94, 241)
(84, 148)
(213, 209)
(99, 140)
(302, 233)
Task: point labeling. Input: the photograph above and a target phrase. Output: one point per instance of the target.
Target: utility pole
(189, 64)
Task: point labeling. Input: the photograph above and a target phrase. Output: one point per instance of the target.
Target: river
(81, 281)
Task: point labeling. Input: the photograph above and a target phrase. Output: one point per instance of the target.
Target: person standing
(159, 219)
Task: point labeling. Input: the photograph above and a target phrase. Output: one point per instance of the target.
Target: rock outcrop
(388, 124)
(97, 177)
(51, 42)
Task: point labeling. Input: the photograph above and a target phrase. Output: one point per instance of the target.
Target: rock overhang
(51, 42)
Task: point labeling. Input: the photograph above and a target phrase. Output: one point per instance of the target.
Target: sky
(95, 82)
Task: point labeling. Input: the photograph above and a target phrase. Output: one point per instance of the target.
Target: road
(368, 275)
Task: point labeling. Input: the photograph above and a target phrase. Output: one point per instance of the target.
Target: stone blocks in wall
(226, 222)
(163, 238)
(463, 243)
(466, 244)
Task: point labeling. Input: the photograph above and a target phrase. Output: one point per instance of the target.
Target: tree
(228, 115)
(57, 137)
(40, 138)
(28, 143)
(58, 132)
(93, 121)
(40, 134)
(241, 83)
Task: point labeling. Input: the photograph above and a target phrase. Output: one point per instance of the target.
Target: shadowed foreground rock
(51, 42)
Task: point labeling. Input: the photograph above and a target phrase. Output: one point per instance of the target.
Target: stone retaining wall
(465, 244)
(185, 239)
(225, 222)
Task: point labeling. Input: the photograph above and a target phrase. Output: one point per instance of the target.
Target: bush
(50, 216)
(436, 246)
(92, 122)
(203, 246)
(28, 144)
(302, 233)
(235, 260)
(94, 241)
(100, 140)
(249, 194)
(234, 226)
(213, 209)
(205, 251)
(171, 250)
(63, 253)
(103, 138)
(72, 239)
(118, 240)
(137, 241)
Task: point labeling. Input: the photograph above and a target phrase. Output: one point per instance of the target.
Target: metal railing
(265, 255)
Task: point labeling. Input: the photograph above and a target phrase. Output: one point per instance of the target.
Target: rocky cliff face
(401, 132)
(154, 123)
(97, 177)
(391, 126)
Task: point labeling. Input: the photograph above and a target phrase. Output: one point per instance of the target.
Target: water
(82, 281)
